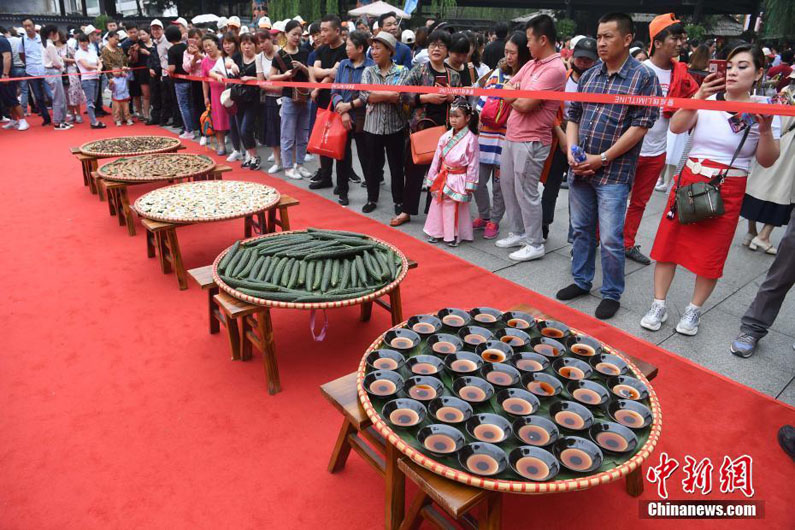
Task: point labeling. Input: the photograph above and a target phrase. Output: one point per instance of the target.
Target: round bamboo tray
(515, 486)
(311, 305)
(156, 167)
(129, 146)
(206, 201)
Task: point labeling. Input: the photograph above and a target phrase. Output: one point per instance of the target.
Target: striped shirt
(491, 139)
(383, 118)
(601, 125)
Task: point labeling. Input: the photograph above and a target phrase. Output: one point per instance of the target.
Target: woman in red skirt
(702, 247)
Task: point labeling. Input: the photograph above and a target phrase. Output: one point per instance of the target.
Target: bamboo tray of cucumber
(309, 269)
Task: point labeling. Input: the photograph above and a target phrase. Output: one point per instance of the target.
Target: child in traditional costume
(453, 177)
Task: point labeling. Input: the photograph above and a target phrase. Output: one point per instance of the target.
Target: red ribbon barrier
(27, 77)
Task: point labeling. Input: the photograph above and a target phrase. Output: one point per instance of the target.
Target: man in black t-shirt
(181, 86)
(323, 70)
(136, 60)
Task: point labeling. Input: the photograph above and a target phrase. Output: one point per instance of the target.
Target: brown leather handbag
(424, 141)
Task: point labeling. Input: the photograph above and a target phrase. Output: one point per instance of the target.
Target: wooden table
(209, 201)
(343, 394)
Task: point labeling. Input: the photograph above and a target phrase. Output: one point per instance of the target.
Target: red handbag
(495, 113)
(329, 135)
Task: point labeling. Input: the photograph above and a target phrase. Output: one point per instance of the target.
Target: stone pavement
(771, 370)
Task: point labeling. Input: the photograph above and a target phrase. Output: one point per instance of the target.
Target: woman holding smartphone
(723, 143)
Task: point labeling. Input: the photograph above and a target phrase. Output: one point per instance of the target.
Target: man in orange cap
(666, 34)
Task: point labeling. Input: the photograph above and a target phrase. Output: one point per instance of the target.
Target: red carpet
(118, 409)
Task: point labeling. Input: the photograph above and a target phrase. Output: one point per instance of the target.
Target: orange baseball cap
(659, 23)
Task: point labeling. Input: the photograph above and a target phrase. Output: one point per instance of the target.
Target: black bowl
(527, 361)
(451, 343)
(589, 393)
(553, 329)
(613, 437)
(446, 409)
(627, 387)
(494, 351)
(383, 384)
(441, 439)
(535, 430)
(571, 415)
(500, 374)
(519, 320)
(429, 322)
(458, 363)
(517, 401)
(541, 384)
(489, 428)
(474, 335)
(473, 389)
(486, 316)
(533, 463)
(608, 365)
(385, 360)
(547, 347)
(630, 413)
(425, 365)
(401, 339)
(423, 387)
(448, 317)
(572, 368)
(516, 338)
(583, 346)
(578, 454)
(482, 459)
(404, 413)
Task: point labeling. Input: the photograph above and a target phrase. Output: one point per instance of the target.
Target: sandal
(747, 239)
(767, 248)
(399, 220)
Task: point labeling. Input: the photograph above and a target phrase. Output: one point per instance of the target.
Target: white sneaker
(309, 157)
(688, 324)
(186, 135)
(203, 140)
(527, 253)
(23, 125)
(234, 156)
(13, 124)
(654, 319)
(293, 174)
(118, 124)
(513, 240)
(6, 119)
(271, 158)
(130, 122)
(305, 173)
(275, 168)
(660, 186)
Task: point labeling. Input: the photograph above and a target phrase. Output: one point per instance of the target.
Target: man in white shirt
(667, 37)
(31, 52)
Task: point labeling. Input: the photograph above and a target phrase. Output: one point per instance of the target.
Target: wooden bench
(204, 277)
(232, 313)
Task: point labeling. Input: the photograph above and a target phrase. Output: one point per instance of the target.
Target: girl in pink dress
(212, 92)
(452, 178)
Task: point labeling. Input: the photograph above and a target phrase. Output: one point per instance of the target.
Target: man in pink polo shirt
(528, 139)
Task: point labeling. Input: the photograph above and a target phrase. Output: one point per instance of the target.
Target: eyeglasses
(437, 46)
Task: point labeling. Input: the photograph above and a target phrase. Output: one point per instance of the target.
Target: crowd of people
(508, 155)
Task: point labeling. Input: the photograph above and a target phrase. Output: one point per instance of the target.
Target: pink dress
(452, 178)
(220, 116)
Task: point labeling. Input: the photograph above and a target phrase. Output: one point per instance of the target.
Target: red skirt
(701, 247)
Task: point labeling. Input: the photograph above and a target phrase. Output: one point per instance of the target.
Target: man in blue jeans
(610, 135)
(30, 52)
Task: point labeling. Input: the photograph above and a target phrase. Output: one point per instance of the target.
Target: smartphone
(441, 80)
(717, 66)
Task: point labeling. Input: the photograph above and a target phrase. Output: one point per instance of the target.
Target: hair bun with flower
(460, 102)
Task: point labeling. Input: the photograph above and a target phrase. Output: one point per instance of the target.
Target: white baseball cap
(181, 21)
(244, 30)
(264, 23)
(222, 22)
(234, 21)
(88, 30)
(156, 22)
(121, 34)
(408, 36)
(298, 19)
(278, 27)
(574, 40)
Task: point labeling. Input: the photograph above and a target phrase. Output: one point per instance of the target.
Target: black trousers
(412, 185)
(326, 168)
(377, 145)
(170, 109)
(345, 166)
(558, 168)
(156, 99)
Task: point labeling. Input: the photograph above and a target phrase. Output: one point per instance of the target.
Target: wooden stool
(356, 430)
(204, 277)
(161, 239)
(88, 164)
(118, 202)
(257, 332)
(394, 306)
(456, 499)
(283, 219)
(231, 311)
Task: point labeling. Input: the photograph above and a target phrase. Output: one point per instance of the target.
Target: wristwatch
(603, 156)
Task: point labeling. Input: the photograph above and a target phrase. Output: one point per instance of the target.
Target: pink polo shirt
(536, 125)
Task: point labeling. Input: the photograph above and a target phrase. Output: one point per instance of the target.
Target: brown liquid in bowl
(612, 441)
(576, 459)
(626, 391)
(553, 333)
(534, 435)
(404, 417)
(443, 347)
(453, 320)
(583, 350)
(493, 356)
(519, 406)
(529, 365)
(450, 415)
(383, 387)
(499, 378)
(482, 464)
(472, 393)
(586, 395)
(518, 323)
(474, 339)
(423, 327)
(532, 468)
(422, 392)
(440, 443)
(546, 349)
(463, 365)
(571, 372)
(401, 343)
(607, 368)
(570, 420)
(541, 388)
(486, 432)
(512, 340)
(423, 369)
(629, 418)
(486, 318)
(385, 363)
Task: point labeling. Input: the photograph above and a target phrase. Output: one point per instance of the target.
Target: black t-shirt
(246, 69)
(465, 75)
(328, 57)
(438, 113)
(5, 46)
(127, 44)
(302, 56)
(175, 59)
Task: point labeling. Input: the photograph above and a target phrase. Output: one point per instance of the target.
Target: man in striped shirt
(610, 135)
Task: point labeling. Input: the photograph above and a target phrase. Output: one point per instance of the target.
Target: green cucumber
(237, 283)
(326, 275)
(345, 252)
(250, 265)
(256, 265)
(345, 275)
(271, 267)
(301, 272)
(228, 257)
(362, 273)
(277, 272)
(310, 269)
(318, 277)
(264, 268)
(234, 261)
(242, 263)
(269, 295)
(335, 233)
(370, 267)
(335, 272)
(286, 272)
(354, 273)
(294, 274)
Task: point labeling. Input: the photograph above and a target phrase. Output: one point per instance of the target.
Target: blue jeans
(185, 102)
(90, 87)
(606, 204)
(246, 117)
(37, 87)
(295, 132)
(234, 131)
(17, 71)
